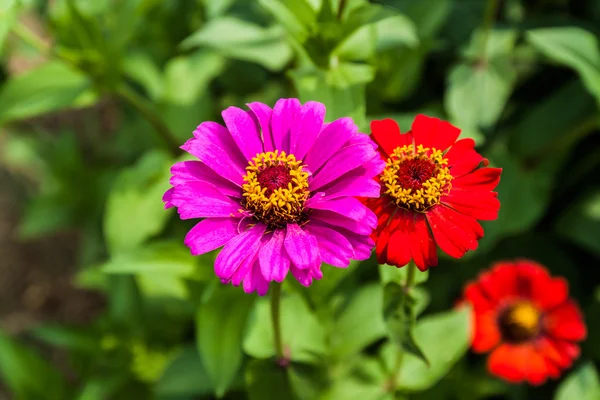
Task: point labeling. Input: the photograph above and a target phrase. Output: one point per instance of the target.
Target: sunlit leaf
(582, 384)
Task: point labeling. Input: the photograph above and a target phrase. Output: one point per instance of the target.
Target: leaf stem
(408, 285)
(30, 38)
(275, 316)
(486, 27)
(145, 109)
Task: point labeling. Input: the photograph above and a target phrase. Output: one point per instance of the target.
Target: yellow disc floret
(275, 188)
(519, 322)
(416, 178)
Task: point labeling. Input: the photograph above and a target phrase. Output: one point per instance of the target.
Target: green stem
(408, 285)
(341, 9)
(275, 316)
(142, 106)
(30, 38)
(486, 26)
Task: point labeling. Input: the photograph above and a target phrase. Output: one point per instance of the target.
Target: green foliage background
(521, 77)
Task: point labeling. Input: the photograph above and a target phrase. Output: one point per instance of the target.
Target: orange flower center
(275, 188)
(519, 322)
(416, 178)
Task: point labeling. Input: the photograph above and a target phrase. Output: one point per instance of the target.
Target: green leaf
(582, 384)
(28, 375)
(297, 16)
(216, 8)
(9, 10)
(389, 273)
(400, 316)
(348, 101)
(365, 15)
(185, 376)
(266, 380)
(134, 209)
(428, 20)
(50, 87)
(364, 381)
(360, 323)
(187, 77)
(477, 93)
(143, 70)
(302, 334)
(574, 47)
(444, 338)
(581, 223)
(100, 387)
(69, 338)
(243, 40)
(220, 326)
(166, 257)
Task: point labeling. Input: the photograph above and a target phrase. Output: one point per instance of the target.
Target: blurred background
(99, 298)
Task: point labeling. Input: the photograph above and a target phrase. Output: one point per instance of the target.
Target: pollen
(519, 322)
(416, 177)
(275, 188)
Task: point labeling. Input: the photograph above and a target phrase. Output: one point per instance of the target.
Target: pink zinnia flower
(275, 188)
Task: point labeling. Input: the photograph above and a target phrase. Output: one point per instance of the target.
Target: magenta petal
(214, 146)
(186, 171)
(346, 206)
(238, 249)
(302, 247)
(306, 128)
(254, 281)
(167, 198)
(244, 131)
(352, 184)
(361, 244)
(281, 122)
(348, 158)
(302, 275)
(329, 141)
(274, 261)
(202, 200)
(263, 113)
(334, 248)
(338, 220)
(210, 234)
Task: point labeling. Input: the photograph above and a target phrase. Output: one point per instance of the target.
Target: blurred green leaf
(582, 384)
(301, 332)
(160, 257)
(444, 338)
(427, 19)
(187, 78)
(266, 380)
(125, 305)
(185, 376)
(367, 381)
(400, 316)
(99, 388)
(49, 87)
(574, 47)
(134, 209)
(9, 10)
(243, 40)
(220, 327)
(297, 16)
(66, 337)
(27, 374)
(143, 70)
(365, 15)
(581, 222)
(360, 323)
(390, 273)
(344, 101)
(216, 8)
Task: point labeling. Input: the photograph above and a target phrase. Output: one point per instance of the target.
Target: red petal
(453, 232)
(536, 284)
(462, 157)
(559, 352)
(398, 250)
(500, 283)
(478, 298)
(565, 322)
(386, 133)
(480, 179)
(487, 335)
(422, 245)
(433, 132)
(479, 205)
(517, 363)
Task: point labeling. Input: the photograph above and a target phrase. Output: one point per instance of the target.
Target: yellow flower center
(519, 322)
(275, 188)
(416, 178)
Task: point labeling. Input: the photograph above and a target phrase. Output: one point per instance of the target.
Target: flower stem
(408, 285)
(142, 106)
(487, 25)
(275, 316)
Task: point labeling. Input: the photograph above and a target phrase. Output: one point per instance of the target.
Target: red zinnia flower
(432, 192)
(525, 318)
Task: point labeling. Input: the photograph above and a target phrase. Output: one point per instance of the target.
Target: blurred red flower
(526, 320)
(432, 192)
